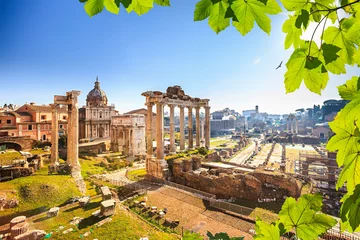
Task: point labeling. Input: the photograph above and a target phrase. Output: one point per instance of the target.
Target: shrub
(203, 151)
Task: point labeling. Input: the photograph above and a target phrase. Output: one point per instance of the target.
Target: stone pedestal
(19, 229)
(17, 220)
(84, 201)
(53, 212)
(105, 193)
(31, 235)
(107, 208)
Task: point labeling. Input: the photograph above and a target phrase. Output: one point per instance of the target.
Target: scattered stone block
(53, 212)
(76, 220)
(84, 201)
(105, 193)
(31, 235)
(17, 220)
(19, 229)
(96, 213)
(102, 222)
(107, 208)
(68, 230)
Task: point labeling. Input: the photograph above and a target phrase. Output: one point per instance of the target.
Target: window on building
(94, 114)
(60, 126)
(12, 134)
(29, 127)
(43, 117)
(100, 115)
(64, 117)
(44, 137)
(8, 121)
(0, 121)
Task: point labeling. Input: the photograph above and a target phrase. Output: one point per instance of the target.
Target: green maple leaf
(111, 6)
(293, 5)
(350, 90)
(140, 7)
(302, 67)
(249, 11)
(354, 31)
(217, 20)
(222, 236)
(93, 7)
(162, 2)
(299, 215)
(265, 231)
(350, 174)
(302, 19)
(333, 63)
(202, 10)
(350, 211)
(272, 7)
(337, 36)
(343, 140)
(357, 57)
(293, 33)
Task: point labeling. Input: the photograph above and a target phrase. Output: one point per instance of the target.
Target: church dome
(96, 97)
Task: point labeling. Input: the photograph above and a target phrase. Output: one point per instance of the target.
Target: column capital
(190, 107)
(197, 108)
(149, 104)
(207, 107)
(181, 107)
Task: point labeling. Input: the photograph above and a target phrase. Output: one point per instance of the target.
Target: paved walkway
(241, 157)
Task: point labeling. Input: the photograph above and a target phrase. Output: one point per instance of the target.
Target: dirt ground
(193, 215)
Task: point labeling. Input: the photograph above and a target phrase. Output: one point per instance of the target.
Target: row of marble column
(292, 123)
(160, 129)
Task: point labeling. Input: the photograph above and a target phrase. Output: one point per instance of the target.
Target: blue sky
(50, 47)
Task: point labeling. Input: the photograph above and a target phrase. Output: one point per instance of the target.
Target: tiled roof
(43, 108)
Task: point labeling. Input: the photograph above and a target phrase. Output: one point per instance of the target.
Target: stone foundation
(225, 183)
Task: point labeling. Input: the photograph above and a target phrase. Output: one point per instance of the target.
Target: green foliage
(299, 215)
(266, 231)
(350, 209)
(192, 236)
(222, 236)
(203, 151)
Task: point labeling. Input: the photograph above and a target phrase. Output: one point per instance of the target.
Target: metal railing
(231, 207)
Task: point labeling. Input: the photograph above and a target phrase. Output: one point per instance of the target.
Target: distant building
(143, 111)
(128, 134)
(223, 126)
(33, 121)
(322, 131)
(95, 117)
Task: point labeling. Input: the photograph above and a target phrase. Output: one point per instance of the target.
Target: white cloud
(257, 61)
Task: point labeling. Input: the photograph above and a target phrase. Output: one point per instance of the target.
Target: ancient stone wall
(225, 183)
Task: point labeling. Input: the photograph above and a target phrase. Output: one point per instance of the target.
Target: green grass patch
(265, 215)
(137, 174)
(123, 225)
(6, 158)
(91, 166)
(37, 193)
(38, 151)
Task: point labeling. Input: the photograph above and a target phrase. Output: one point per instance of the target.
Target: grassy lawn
(265, 215)
(123, 225)
(217, 142)
(91, 166)
(6, 158)
(37, 193)
(38, 151)
(136, 174)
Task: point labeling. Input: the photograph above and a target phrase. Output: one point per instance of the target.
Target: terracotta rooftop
(42, 108)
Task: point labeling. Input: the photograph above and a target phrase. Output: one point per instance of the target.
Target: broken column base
(157, 168)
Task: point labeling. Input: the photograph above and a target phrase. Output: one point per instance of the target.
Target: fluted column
(172, 130)
(197, 116)
(149, 138)
(296, 126)
(207, 127)
(182, 130)
(292, 126)
(190, 129)
(69, 134)
(54, 135)
(159, 131)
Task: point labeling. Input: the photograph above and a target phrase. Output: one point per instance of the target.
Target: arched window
(100, 114)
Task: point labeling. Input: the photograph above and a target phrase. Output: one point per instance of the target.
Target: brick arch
(20, 143)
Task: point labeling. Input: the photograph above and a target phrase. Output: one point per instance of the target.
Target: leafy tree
(222, 236)
(310, 63)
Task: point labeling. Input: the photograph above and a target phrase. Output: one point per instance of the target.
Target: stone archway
(12, 145)
(101, 132)
(328, 163)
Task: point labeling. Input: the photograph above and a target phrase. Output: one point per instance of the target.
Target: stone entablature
(173, 97)
(128, 134)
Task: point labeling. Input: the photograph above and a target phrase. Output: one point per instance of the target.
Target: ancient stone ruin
(227, 183)
(174, 97)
